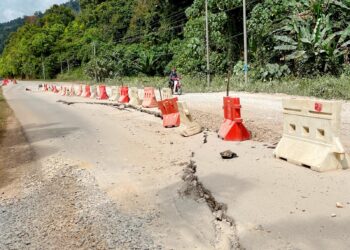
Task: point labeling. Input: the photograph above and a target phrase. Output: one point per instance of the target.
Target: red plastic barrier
(5, 82)
(64, 91)
(170, 112)
(87, 91)
(54, 89)
(149, 98)
(232, 128)
(80, 91)
(103, 93)
(124, 95)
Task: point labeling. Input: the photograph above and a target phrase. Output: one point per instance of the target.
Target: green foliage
(310, 37)
(73, 75)
(110, 39)
(274, 71)
(7, 28)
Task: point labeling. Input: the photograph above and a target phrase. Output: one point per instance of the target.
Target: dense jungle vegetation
(107, 39)
(7, 28)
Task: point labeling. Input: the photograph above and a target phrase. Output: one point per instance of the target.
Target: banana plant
(312, 40)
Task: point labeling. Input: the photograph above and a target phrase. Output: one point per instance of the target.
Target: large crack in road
(224, 224)
(225, 228)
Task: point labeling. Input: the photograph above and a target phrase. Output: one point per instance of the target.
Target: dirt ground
(260, 131)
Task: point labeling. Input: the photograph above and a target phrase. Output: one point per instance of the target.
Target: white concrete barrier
(311, 135)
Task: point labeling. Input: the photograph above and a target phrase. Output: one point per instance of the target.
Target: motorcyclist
(172, 77)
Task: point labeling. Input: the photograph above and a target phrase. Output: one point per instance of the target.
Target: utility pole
(245, 42)
(43, 67)
(207, 41)
(94, 44)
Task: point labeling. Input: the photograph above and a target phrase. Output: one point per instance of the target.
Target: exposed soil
(261, 131)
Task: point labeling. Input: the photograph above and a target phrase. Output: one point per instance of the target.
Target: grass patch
(4, 112)
(326, 87)
(76, 74)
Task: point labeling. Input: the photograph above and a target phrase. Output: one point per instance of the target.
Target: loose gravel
(63, 208)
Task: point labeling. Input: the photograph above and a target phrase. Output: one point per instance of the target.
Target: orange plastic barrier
(124, 95)
(87, 91)
(103, 93)
(170, 112)
(232, 128)
(149, 98)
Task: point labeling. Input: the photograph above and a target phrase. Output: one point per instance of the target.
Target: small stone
(333, 215)
(339, 205)
(228, 154)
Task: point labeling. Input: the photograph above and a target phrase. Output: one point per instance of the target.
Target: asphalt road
(138, 163)
(125, 154)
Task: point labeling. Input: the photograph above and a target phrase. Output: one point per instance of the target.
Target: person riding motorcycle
(172, 77)
(174, 82)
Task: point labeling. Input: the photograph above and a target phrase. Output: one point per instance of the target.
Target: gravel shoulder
(55, 204)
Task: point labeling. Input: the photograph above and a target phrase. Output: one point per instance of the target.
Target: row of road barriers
(173, 112)
(311, 128)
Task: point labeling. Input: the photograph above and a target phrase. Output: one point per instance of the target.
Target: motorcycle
(175, 86)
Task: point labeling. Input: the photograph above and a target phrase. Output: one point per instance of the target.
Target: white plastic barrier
(311, 135)
(84, 91)
(166, 93)
(98, 91)
(115, 93)
(72, 90)
(93, 90)
(190, 126)
(109, 91)
(134, 96)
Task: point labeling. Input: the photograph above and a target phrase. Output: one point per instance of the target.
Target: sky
(11, 9)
